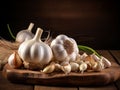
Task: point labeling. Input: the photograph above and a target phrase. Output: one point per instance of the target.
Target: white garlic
(14, 60)
(64, 48)
(74, 66)
(24, 35)
(95, 57)
(83, 56)
(66, 68)
(98, 66)
(106, 62)
(35, 51)
(49, 69)
(83, 67)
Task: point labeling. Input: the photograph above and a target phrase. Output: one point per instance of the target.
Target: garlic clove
(66, 68)
(98, 66)
(49, 68)
(95, 57)
(83, 67)
(14, 60)
(83, 56)
(106, 62)
(90, 60)
(74, 66)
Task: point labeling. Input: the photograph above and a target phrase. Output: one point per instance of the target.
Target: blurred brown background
(94, 23)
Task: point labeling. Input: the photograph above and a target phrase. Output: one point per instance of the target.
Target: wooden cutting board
(60, 79)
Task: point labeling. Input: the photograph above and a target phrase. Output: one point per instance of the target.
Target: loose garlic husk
(35, 51)
(83, 67)
(24, 35)
(64, 48)
(74, 66)
(14, 60)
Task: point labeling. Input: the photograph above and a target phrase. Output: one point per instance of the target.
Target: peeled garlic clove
(24, 35)
(66, 68)
(14, 60)
(106, 62)
(83, 67)
(49, 68)
(74, 66)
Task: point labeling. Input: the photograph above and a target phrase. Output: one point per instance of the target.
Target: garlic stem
(38, 34)
(30, 27)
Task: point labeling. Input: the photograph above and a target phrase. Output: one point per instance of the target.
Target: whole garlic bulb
(64, 48)
(24, 35)
(35, 51)
(14, 60)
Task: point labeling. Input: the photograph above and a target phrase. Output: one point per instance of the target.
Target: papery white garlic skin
(95, 57)
(14, 60)
(35, 51)
(74, 66)
(99, 66)
(66, 68)
(24, 35)
(83, 56)
(83, 67)
(64, 48)
(106, 62)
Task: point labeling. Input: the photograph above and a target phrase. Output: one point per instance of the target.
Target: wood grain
(53, 88)
(60, 79)
(116, 55)
(6, 85)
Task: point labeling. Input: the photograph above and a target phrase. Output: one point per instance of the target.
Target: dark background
(94, 23)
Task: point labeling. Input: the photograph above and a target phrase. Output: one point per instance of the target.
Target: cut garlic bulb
(64, 48)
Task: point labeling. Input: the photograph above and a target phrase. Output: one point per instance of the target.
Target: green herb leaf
(88, 49)
(10, 32)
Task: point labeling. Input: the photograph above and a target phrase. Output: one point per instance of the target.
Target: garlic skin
(83, 67)
(14, 60)
(24, 35)
(66, 68)
(74, 66)
(98, 66)
(64, 48)
(49, 68)
(106, 62)
(35, 51)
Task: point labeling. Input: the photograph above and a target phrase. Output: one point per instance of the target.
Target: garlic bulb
(64, 48)
(35, 51)
(14, 60)
(24, 35)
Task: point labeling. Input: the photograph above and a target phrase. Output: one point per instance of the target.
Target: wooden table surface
(112, 55)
